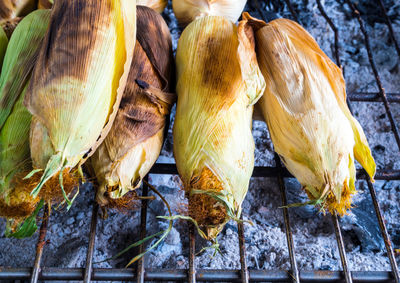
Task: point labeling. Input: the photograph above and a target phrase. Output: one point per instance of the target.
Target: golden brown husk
(187, 11)
(304, 106)
(156, 5)
(10, 9)
(143, 111)
(45, 4)
(10, 25)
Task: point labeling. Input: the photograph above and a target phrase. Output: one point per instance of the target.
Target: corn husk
(78, 81)
(45, 4)
(3, 45)
(187, 11)
(10, 9)
(213, 144)
(156, 5)
(10, 25)
(15, 201)
(305, 108)
(136, 137)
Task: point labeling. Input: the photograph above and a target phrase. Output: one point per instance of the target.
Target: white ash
(313, 234)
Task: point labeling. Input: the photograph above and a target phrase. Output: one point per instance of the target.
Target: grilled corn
(218, 81)
(305, 108)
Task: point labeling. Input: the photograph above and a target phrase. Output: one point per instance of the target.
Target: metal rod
(389, 24)
(385, 235)
(192, 255)
(40, 245)
(289, 237)
(143, 221)
(335, 31)
(209, 275)
(373, 97)
(292, 11)
(269, 171)
(342, 251)
(92, 241)
(242, 249)
(382, 92)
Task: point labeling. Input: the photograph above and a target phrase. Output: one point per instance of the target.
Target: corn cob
(15, 200)
(305, 108)
(156, 5)
(77, 83)
(187, 11)
(213, 144)
(136, 137)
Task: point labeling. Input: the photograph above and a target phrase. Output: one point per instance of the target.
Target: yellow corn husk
(136, 137)
(45, 4)
(187, 11)
(218, 82)
(156, 5)
(15, 201)
(78, 81)
(10, 9)
(305, 108)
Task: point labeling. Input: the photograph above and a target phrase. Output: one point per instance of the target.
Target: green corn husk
(305, 108)
(218, 81)
(15, 201)
(77, 84)
(136, 137)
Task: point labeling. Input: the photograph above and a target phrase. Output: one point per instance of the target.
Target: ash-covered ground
(313, 234)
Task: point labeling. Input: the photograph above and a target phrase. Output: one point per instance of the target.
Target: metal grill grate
(140, 274)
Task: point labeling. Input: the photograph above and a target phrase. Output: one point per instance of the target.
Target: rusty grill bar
(244, 275)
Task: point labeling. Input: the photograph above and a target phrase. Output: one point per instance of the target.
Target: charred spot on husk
(10, 25)
(151, 25)
(83, 31)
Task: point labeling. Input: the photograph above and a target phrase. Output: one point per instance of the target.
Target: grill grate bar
(335, 221)
(289, 236)
(269, 171)
(91, 244)
(389, 24)
(40, 245)
(384, 232)
(382, 92)
(243, 275)
(342, 251)
(192, 254)
(244, 272)
(143, 222)
(373, 96)
(209, 275)
(292, 11)
(335, 31)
